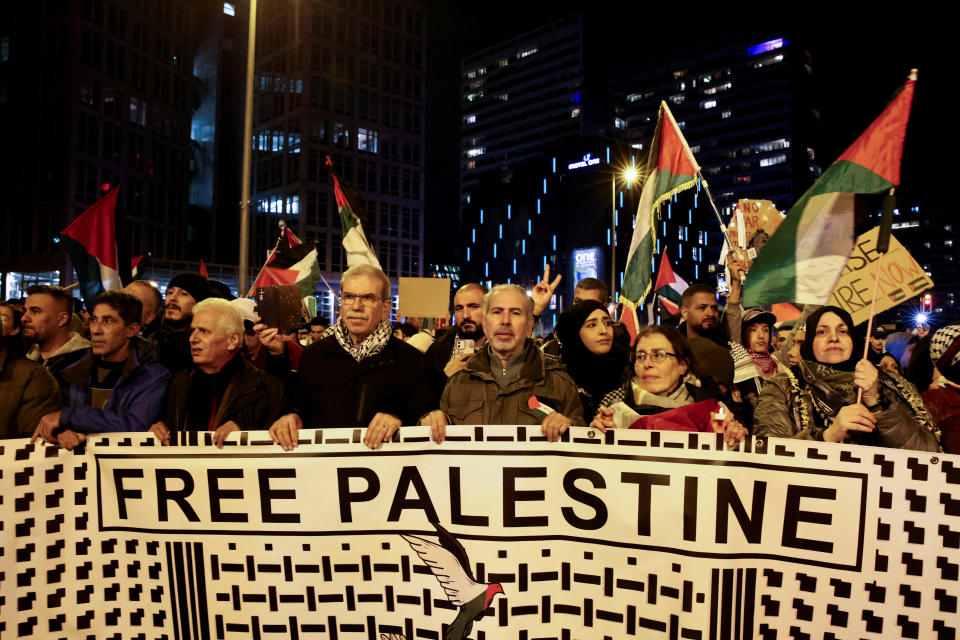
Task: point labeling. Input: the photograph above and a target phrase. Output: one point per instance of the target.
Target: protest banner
(494, 534)
(424, 298)
(901, 278)
(753, 222)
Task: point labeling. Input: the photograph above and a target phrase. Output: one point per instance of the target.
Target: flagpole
(265, 263)
(723, 227)
(883, 245)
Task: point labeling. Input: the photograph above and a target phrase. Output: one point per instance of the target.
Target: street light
(629, 176)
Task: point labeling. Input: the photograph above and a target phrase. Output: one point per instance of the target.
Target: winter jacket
(27, 393)
(136, 402)
(472, 395)
(71, 351)
(944, 407)
(172, 344)
(788, 409)
(254, 399)
(334, 390)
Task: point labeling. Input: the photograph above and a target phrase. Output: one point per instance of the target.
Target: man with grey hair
(359, 375)
(223, 392)
(510, 381)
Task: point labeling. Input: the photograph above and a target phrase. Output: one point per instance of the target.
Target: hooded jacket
(136, 402)
(27, 393)
(472, 395)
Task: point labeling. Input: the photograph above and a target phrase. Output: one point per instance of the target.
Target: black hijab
(806, 350)
(595, 374)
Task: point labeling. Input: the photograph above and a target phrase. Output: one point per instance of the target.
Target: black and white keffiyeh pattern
(372, 345)
(942, 340)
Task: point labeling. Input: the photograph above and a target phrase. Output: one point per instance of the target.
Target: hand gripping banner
(494, 534)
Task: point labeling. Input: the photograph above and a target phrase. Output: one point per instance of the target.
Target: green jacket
(27, 393)
(472, 395)
(786, 409)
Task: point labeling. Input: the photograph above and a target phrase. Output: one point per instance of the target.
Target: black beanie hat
(193, 283)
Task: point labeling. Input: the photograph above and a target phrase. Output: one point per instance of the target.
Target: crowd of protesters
(198, 360)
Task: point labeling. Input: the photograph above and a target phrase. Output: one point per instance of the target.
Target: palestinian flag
(355, 242)
(541, 410)
(670, 168)
(803, 260)
(669, 286)
(135, 265)
(297, 265)
(91, 243)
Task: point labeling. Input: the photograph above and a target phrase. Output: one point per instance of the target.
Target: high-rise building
(744, 106)
(548, 130)
(344, 80)
(93, 94)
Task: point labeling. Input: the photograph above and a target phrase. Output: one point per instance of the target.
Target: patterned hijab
(806, 350)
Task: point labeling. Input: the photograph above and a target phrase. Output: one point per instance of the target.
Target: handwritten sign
(760, 219)
(901, 278)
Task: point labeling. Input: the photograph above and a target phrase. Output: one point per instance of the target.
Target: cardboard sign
(760, 219)
(901, 278)
(424, 298)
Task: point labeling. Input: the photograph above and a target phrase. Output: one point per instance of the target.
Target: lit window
(778, 159)
(948, 243)
(766, 62)
(574, 112)
(677, 98)
(476, 151)
(633, 97)
(503, 97)
(708, 104)
(470, 118)
(726, 114)
(229, 8)
(620, 123)
(503, 62)
(527, 52)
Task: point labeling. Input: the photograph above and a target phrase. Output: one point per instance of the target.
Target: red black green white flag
(670, 169)
(669, 286)
(91, 243)
(355, 242)
(803, 260)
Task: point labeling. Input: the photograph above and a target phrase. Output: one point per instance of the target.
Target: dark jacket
(442, 348)
(254, 399)
(74, 349)
(135, 403)
(27, 393)
(172, 344)
(944, 407)
(334, 390)
(788, 409)
(472, 395)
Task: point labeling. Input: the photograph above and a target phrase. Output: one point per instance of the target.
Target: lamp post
(247, 153)
(629, 177)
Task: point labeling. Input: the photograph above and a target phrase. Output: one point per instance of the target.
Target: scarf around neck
(372, 344)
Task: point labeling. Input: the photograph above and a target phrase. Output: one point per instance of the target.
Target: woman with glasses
(819, 401)
(593, 358)
(662, 377)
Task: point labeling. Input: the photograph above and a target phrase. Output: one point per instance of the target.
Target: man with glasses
(360, 375)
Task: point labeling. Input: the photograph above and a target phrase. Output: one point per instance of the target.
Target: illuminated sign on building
(588, 161)
(769, 45)
(586, 263)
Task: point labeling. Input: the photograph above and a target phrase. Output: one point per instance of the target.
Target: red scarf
(766, 365)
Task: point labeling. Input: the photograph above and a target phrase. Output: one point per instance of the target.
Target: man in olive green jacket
(27, 393)
(509, 381)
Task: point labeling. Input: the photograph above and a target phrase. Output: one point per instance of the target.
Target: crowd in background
(199, 360)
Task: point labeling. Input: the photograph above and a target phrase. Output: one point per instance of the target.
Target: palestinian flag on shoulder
(669, 286)
(803, 260)
(91, 243)
(670, 169)
(296, 265)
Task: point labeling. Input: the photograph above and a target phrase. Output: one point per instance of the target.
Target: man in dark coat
(453, 347)
(360, 375)
(172, 339)
(224, 392)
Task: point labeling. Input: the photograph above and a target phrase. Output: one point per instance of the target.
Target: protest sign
(424, 298)
(490, 535)
(760, 218)
(901, 278)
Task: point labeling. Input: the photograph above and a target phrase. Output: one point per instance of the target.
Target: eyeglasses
(368, 299)
(656, 357)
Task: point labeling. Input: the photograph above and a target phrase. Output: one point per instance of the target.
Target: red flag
(135, 265)
(203, 270)
(91, 243)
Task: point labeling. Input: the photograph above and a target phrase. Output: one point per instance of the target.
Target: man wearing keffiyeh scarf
(358, 374)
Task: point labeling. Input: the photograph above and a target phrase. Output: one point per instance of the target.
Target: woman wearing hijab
(819, 402)
(663, 375)
(593, 359)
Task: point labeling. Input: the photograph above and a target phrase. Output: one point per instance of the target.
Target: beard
(471, 334)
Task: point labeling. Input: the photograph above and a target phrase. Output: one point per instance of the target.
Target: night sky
(858, 65)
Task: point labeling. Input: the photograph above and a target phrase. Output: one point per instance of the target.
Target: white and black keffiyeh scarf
(372, 345)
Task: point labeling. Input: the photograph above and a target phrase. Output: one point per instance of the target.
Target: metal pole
(247, 150)
(613, 236)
